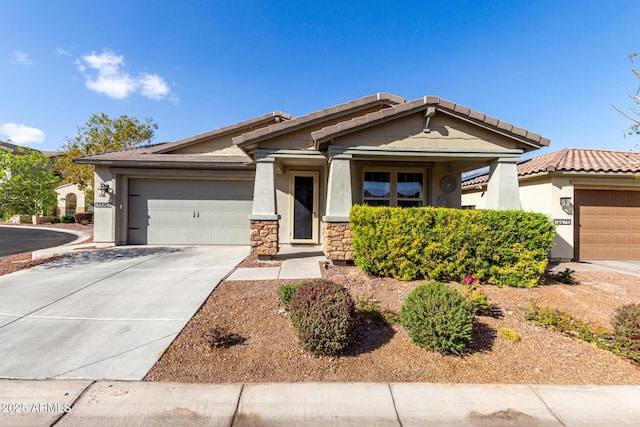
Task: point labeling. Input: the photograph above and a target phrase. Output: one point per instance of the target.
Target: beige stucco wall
(543, 195)
(446, 132)
(63, 191)
(104, 213)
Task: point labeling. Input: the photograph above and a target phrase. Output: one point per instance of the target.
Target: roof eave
(257, 121)
(166, 164)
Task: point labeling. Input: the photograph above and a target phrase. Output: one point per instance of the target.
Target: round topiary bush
(323, 317)
(438, 317)
(626, 325)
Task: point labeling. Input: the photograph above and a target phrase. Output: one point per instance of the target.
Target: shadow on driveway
(93, 257)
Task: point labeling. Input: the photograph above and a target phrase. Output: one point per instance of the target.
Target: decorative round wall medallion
(448, 184)
(444, 201)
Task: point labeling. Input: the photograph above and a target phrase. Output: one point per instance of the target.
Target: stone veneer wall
(264, 237)
(337, 241)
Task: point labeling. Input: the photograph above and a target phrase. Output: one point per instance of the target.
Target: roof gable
(431, 105)
(250, 140)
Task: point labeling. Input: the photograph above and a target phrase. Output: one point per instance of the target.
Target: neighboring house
(278, 179)
(70, 198)
(592, 195)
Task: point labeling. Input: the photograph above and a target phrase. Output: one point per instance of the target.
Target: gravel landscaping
(266, 350)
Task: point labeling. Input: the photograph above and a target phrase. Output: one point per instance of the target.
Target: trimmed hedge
(499, 247)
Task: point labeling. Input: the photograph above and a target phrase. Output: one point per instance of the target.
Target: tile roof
(140, 155)
(276, 115)
(440, 104)
(572, 160)
(310, 119)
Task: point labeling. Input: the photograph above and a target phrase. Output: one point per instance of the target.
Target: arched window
(70, 205)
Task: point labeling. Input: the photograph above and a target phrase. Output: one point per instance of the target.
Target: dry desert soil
(268, 351)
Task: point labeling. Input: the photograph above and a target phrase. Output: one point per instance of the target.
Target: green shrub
(438, 317)
(626, 325)
(566, 277)
(55, 220)
(500, 247)
(285, 292)
(509, 334)
(83, 217)
(323, 317)
(67, 219)
(369, 307)
(479, 300)
(566, 323)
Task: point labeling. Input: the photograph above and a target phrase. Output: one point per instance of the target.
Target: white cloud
(20, 58)
(21, 134)
(62, 51)
(105, 73)
(153, 86)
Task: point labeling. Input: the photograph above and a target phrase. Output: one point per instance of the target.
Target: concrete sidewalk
(84, 402)
(297, 262)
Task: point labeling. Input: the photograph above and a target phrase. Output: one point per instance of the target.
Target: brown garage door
(608, 224)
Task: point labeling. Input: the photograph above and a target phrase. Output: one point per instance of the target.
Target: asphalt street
(16, 240)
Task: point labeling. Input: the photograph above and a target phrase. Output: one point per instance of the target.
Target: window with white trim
(391, 188)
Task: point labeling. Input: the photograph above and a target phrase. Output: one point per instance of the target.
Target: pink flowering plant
(478, 299)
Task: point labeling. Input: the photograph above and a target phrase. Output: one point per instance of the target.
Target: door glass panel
(303, 207)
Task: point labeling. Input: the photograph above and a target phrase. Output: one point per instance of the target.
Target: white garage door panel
(189, 211)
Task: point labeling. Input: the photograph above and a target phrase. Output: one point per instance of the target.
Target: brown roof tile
(248, 124)
(326, 133)
(138, 156)
(302, 121)
(573, 160)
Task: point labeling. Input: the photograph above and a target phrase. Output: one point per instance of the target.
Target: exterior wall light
(103, 189)
(565, 202)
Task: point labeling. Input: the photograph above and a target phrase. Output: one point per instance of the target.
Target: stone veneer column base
(337, 241)
(264, 238)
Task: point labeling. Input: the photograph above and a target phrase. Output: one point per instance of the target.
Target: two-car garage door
(608, 224)
(189, 211)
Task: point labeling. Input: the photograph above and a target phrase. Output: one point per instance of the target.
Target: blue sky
(553, 67)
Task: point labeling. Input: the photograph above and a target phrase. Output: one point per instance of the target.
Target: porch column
(503, 192)
(337, 233)
(264, 218)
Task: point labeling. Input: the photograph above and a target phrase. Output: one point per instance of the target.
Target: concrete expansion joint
(395, 407)
(551, 411)
(235, 412)
(77, 399)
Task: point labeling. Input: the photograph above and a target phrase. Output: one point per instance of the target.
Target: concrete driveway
(105, 314)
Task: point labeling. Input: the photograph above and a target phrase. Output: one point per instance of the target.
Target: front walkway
(297, 262)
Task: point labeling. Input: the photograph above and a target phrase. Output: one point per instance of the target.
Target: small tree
(27, 183)
(634, 115)
(99, 135)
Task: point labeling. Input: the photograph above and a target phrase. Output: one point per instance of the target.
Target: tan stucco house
(592, 195)
(278, 179)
